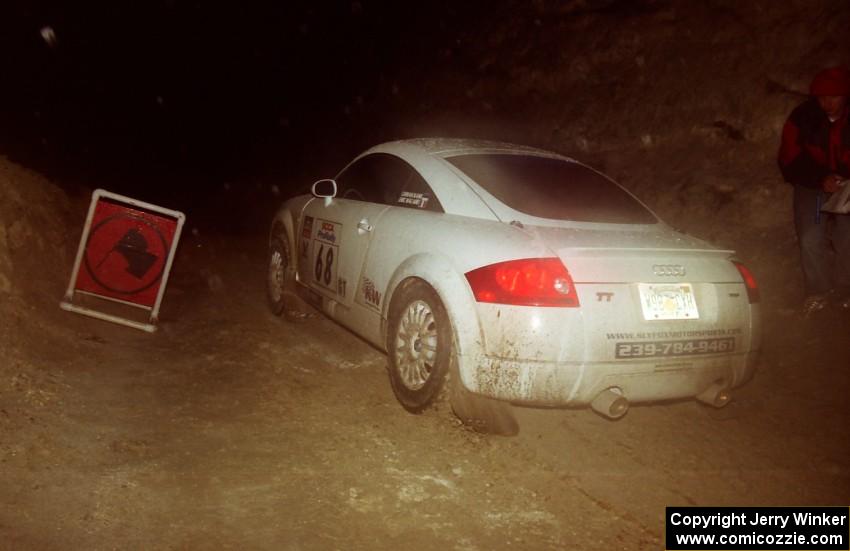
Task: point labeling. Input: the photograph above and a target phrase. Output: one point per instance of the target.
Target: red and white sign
(125, 255)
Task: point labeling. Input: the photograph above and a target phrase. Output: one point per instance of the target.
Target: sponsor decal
(340, 286)
(370, 293)
(604, 297)
(327, 232)
(661, 349)
(419, 200)
(307, 229)
(661, 344)
(665, 335)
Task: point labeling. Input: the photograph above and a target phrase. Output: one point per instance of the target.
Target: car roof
(449, 147)
(428, 157)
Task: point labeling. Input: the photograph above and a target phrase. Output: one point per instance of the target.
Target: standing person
(815, 158)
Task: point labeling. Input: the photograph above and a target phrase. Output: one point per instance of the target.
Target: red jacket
(813, 147)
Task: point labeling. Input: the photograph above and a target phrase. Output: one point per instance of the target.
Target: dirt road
(232, 429)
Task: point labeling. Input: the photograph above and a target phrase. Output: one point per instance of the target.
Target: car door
(403, 231)
(335, 234)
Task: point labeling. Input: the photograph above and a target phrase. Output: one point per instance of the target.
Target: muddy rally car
(496, 274)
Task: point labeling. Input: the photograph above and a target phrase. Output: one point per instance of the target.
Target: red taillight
(527, 282)
(749, 281)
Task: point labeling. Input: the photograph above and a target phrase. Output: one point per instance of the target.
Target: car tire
(420, 346)
(422, 374)
(276, 278)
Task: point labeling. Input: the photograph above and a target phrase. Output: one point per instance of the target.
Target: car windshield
(552, 188)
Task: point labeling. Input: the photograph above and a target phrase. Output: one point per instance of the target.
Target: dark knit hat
(834, 81)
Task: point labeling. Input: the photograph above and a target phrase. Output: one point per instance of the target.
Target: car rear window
(552, 188)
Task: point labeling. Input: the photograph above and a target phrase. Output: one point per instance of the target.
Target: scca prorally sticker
(327, 232)
(419, 200)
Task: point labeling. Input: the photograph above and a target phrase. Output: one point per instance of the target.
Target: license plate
(668, 301)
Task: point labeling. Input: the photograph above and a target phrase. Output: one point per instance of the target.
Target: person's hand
(831, 183)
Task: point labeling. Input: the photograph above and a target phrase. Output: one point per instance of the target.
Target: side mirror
(324, 188)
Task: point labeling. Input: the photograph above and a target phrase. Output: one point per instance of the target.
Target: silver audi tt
(498, 274)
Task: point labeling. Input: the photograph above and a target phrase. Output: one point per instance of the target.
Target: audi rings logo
(674, 270)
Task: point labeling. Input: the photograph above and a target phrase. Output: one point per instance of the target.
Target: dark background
(224, 110)
(172, 99)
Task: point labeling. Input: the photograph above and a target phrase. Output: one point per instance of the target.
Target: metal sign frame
(72, 291)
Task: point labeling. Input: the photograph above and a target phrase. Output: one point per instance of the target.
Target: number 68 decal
(325, 257)
(323, 272)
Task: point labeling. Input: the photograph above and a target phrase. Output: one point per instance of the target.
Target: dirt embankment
(35, 250)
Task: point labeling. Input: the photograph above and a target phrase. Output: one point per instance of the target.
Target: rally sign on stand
(123, 260)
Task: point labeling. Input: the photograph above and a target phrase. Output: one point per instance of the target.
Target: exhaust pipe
(717, 395)
(610, 403)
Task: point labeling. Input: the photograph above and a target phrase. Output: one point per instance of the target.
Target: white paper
(839, 202)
